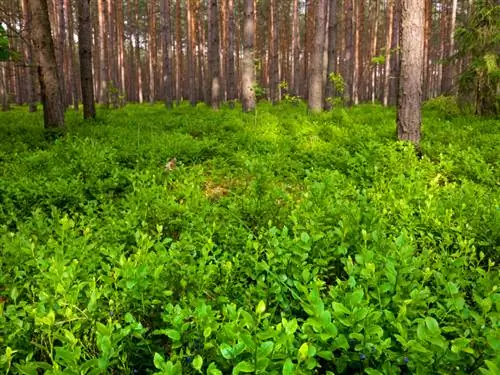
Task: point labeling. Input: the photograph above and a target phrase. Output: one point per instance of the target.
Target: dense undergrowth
(280, 244)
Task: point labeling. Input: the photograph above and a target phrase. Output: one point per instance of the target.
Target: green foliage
(338, 84)
(4, 45)
(478, 43)
(294, 245)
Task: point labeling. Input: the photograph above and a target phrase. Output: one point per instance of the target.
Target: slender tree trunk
(388, 44)
(178, 52)
(447, 83)
(316, 82)
(31, 76)
(152, 48)
(230, 69)
(4, 95)
(138, 54)
(167, 50)
(120, 46)
(248, 74)
(53, 109)
(357, 52)
(332, 55)
(348, 51)
(273, 53)
(214, 53)
(410, 89)
(427, 32)
(103, 48)
(295, 63)
(85, 53)
(72, 66)
(190, 52)
(373, 52)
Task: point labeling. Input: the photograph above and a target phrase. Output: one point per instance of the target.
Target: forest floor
(279, 243)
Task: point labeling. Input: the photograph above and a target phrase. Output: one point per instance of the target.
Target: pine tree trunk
(167, 50)
(373, 52)
(190, 52)
(138, 62)
(152, 48)
(348, 50)
(316, 81)
(53, 108)
(72, 69)
(214, 53)
(273, 53)
(248, 73)
(332, 55)
(121, 46)
(31, 76)
(85, 53)
(103, 55)
(4, 95)
(388, 44)
(410, 88)
(230, 72)
(295, 63)
(427, 33)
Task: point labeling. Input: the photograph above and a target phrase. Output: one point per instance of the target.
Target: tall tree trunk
(316, 82)
(447, 84)
(72, 69)
(138, 54)
(61, 53)
(103, 49)
(410, 89)
(152, 48)
(248, 73)
(120, 45)
(190, 52)
(295, 63)
(373, 51)
(178, 52)
(332, 55)
(427, 33)
(53, 109)
(4, 94)
(230, 72)
(273, 53)
(31, 76)
(167, 50)
(357, 51)
(85, 53)
(348, 51)
(213, 53)
(388, 44)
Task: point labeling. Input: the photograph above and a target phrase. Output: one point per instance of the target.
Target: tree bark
(53, 108)
(348, 50)
(248, 74)
(273, 53)
(230, 69)
(332, 55)
(316, 82)
(167, 49)
(31, 76)
(152, 48)
(85, 53)
(214, 53)
(410, 84)
(103, 48)
(190, 52)
(295, 63)
(388, 43)
(373, 52)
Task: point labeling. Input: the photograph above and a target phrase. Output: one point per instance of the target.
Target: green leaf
(261, 308)
(226, 351)
(173, 334)
(243, 366)
(433, 326)
(265, 349)
(213, 370)
(158, 361)
(303, 351)
(198, 363)
(288, 367)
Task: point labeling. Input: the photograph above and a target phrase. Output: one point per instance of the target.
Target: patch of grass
(281, 242)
